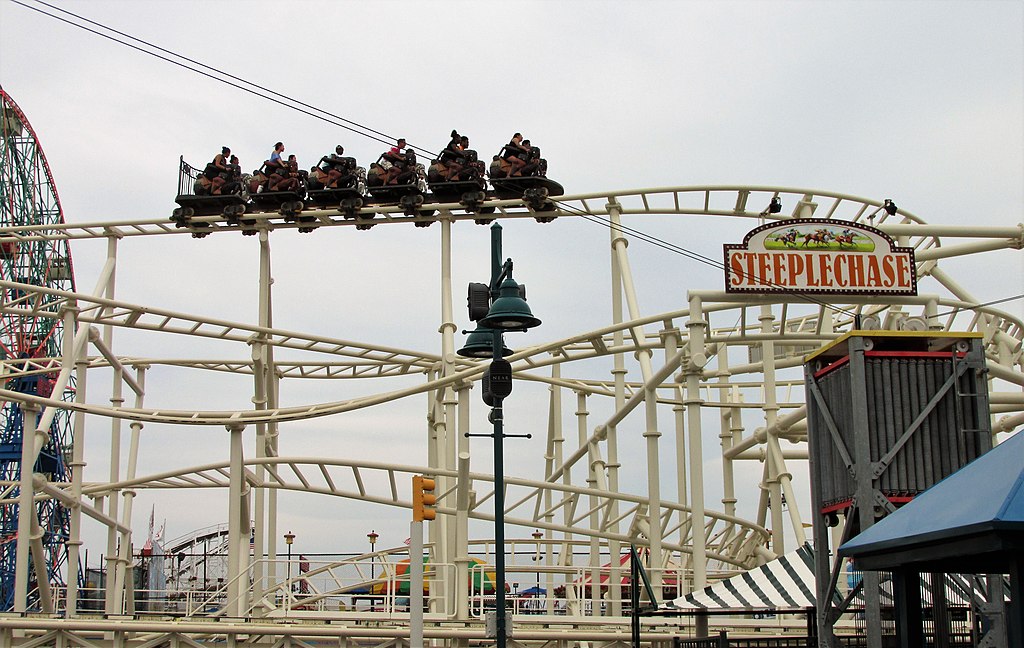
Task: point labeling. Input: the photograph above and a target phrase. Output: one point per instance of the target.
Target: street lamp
(508, 311)
(289, 538)
(537, 535)
(372, 537)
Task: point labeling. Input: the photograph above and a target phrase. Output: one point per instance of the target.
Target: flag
(407, 542)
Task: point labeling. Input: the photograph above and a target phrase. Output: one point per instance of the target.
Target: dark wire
(695, 256)
(287, 98)
(982, 305)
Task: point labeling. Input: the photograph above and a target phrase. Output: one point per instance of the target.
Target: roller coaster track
(717, 200)
(774, 341)
(366, 361)
(530, 504)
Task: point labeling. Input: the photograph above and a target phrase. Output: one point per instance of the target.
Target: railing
(372, 583)
(721, 641)
(187, 175)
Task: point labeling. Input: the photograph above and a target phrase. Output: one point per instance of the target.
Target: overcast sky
(922, 102)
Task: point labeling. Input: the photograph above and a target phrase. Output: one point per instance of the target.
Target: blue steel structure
(30, 346)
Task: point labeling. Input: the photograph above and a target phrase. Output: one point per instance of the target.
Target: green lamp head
(480, 344)
(509, 311)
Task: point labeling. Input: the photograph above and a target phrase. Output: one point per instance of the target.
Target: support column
(865, 491)
(771, 410)
(651, 433)
(619, 377)
(593, 463)
(730, 425)
(26, 511)
(671, 338)
(77, 466)
(263, 371)
(113, 596)
(125, 543)
(553, 457)
(692, 370)
(463, 498)
(462, 559)
(238, 531)
(442, 529)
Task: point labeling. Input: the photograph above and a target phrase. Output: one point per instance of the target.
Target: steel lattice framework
(720, 366)
(28, 197)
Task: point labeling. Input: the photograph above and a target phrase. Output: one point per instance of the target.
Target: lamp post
(289, 538)
(508, 311)
(372, 537)
(537, 535)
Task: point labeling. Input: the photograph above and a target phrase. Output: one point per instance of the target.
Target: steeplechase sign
(814, 255)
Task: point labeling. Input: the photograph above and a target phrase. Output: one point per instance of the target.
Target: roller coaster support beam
(692, 368)
(74, 357)
(39, 566)
(730, 429)
(601, 431)
(238, 531)
(770, 407)
(442, 531)
(108, 287)
(611, 429)
(76, 504)
(416, 584)
(77, 465)
(115, 362)
(124, 556)
(462, 558)
(46, 420)
(651, 433)
(26, 511)
(264, 534)
(671, 339)
(113, 595)
(556, 441)
(760, 436)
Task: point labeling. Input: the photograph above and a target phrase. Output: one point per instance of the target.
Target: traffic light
(479, 301)
(423, 498)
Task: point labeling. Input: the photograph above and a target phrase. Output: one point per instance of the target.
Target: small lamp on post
(537, 535)
(372, 537)
(289, 538)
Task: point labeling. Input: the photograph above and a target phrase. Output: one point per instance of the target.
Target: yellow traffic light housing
(423, 498)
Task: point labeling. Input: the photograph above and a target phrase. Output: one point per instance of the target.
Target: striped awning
(784, 583)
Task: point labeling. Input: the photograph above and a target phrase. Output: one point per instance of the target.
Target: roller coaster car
(534, 187)
(409, 193)
(348, 198)
(287, 203)
(469, 189)
(194, 200)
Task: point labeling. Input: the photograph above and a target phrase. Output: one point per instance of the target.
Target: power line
(694, 256)
(981, 305)
(262, 92)
(210, 67)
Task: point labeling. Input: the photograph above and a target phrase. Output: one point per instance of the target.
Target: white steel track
(670, 373)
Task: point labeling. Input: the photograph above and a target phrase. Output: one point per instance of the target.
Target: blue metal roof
(986, 494)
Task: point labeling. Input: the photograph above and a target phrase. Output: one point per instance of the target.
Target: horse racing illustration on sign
(818, 237)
